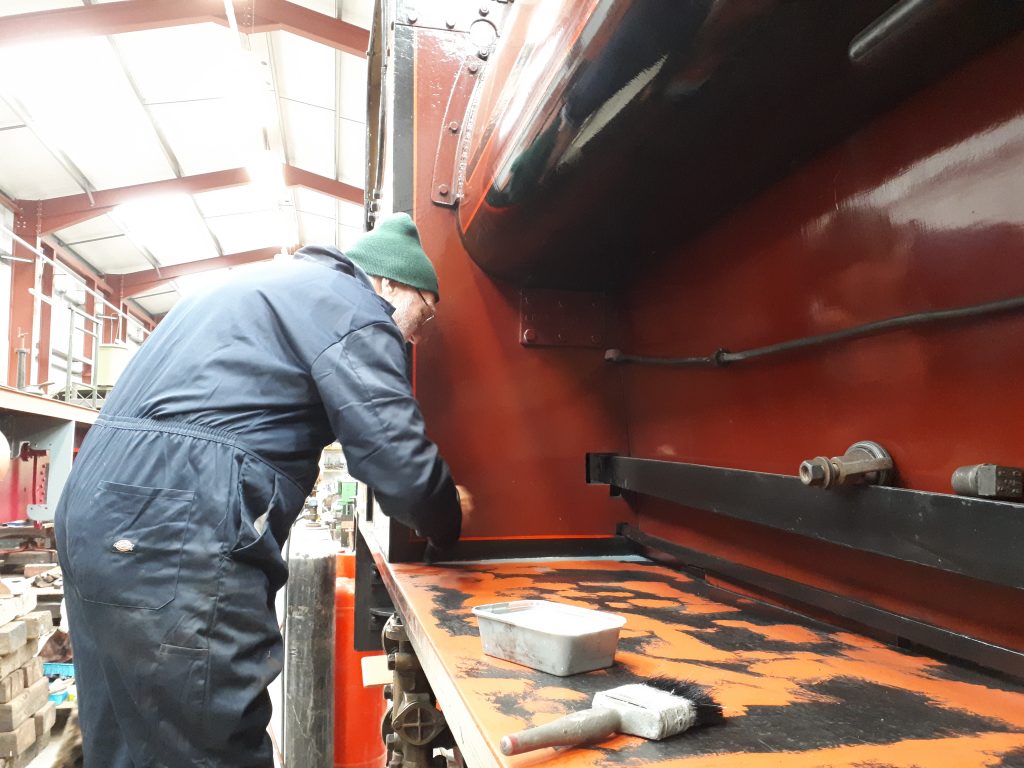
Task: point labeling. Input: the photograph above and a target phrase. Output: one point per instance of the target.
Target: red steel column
(23, 280)
(90, 347)
(45, 323)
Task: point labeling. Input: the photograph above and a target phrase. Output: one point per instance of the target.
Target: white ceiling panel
(353, 87)
(350, 214)
(90, 229)
(11, 7)
(358, 12)
(199, 61)
(158, 303)
(305, 70)
(7, 116)
(114, 256)
(326, 7)
(247, 198)
(169, 227)
(310, 133)
(28, 171)
(353, 152)
(206, 135)
(318, 230)
(316, 203)
(347, 236)
(80, 101)
(247, 231)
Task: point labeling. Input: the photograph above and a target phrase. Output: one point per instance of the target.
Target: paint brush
(657, 709)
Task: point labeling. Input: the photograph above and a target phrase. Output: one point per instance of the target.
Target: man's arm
(367, 396)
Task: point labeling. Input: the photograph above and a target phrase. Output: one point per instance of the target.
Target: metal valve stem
(863, 462)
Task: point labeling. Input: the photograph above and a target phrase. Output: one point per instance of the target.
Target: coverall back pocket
(126, 549)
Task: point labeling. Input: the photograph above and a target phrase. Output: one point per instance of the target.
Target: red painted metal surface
(356, 708)
(512, 422)
(24, 484)
(922, 210)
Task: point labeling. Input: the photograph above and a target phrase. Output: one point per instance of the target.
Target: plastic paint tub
(551, 637)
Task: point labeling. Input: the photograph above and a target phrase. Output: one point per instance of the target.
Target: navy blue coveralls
(171, 525)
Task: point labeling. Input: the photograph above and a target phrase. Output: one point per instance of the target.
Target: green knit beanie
(392, 249)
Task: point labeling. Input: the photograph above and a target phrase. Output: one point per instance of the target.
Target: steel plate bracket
(556, 318)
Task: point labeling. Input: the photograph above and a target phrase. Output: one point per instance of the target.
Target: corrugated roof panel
(114, 256)
(310, 133)
(305, 70)
(353, 152)
(206, 135)
(198, 61)
(28, 171)
(81, 102)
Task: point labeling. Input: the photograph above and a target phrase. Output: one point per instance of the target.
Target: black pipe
(723, 357)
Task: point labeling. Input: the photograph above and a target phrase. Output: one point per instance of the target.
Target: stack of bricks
(26, 713)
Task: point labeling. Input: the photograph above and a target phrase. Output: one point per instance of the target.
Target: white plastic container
(551, 637)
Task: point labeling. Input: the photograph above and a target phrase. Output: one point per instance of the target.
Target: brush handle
(584, 727)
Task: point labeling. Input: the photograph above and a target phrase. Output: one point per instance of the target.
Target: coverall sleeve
(368, 399)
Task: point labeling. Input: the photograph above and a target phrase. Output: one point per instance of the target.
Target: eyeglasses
(430, 309)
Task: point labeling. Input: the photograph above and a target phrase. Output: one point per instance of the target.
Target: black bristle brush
(657, 709)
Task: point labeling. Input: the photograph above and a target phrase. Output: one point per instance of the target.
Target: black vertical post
(309, 652)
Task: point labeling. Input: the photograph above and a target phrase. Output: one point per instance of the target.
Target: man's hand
(466, 500)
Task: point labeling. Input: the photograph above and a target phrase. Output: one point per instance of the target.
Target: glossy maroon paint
(923, 209)
(513, 422)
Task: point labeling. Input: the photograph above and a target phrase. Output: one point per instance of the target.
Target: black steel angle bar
(972, 537)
